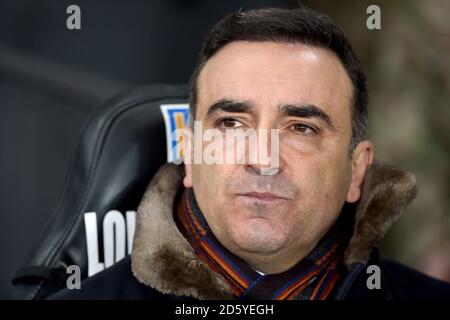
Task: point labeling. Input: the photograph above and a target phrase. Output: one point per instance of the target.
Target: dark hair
(301, 25)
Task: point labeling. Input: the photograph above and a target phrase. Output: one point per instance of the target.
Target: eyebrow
(307, 111)
(229, 106)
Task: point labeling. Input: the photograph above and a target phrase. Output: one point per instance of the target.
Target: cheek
(203, 178)
(209, 188)
(323, 185)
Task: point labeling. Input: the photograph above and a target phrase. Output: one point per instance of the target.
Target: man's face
(304, 92)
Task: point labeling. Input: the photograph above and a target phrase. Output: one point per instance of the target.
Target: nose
(264, 158)
(262, 170)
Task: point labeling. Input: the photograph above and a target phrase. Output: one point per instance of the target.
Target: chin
(257, 235)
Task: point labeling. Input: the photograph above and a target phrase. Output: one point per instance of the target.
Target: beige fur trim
(387, 190)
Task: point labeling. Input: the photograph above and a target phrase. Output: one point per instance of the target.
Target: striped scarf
(313, 278)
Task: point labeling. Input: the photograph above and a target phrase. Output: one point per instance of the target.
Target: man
(309, 229)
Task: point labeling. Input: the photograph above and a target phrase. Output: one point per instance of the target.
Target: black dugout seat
(121, 147)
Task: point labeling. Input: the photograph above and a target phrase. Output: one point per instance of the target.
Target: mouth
(262, 196)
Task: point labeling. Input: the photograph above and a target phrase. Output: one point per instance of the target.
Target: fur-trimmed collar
(164, 260)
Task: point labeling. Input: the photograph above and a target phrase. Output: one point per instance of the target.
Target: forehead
(268, 74)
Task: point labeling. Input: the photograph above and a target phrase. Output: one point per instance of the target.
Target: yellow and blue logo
(175, 117)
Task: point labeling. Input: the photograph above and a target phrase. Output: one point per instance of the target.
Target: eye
(229, 123)
(303, 129)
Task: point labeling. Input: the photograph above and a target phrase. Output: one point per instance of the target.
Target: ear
(362, 158)
(188, 155)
